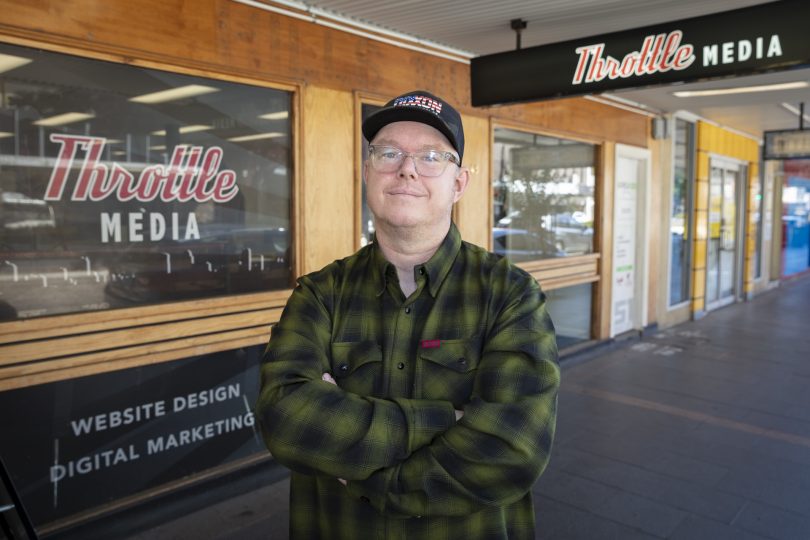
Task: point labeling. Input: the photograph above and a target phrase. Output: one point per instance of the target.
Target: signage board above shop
(767, 37)
(787, 144)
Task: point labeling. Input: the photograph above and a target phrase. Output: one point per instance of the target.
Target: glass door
(722, 261)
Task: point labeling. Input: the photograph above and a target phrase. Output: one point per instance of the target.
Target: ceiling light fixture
(5, 134)
(741, 89)
(256, 137)
(174, 94)
(62, 119)
(184, 129)
(9, 62)
(281, 115)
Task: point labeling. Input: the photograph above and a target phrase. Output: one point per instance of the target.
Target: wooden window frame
(47, 349)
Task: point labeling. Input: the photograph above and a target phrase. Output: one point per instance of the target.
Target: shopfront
(136, 205)
(787, 163)
(166, 174)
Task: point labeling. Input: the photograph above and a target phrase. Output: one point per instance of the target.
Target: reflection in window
(543, 196)
(795, 219)
(367, 221)
(570, 310)
(679, 221)
(758, 206)
(122, 186)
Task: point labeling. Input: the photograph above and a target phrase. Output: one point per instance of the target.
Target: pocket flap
(347, 357)
(458, 355)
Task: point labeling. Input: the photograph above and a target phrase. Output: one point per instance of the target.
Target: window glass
(679, 224)
(367, 220)
(795, 218)
(758, 206)
(543, 196)
(122, 186)
(570, 310)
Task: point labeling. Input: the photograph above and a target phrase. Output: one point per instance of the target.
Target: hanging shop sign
(758, 39)
(787, 144)
(75, 445)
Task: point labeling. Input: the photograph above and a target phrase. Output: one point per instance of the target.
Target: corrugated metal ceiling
(482, 26)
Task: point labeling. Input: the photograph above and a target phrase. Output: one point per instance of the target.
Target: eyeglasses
(387, 159)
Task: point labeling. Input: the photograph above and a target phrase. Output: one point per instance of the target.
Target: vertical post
(801, 115)
(518, 25)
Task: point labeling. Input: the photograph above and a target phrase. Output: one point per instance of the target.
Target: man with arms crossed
(412, 387)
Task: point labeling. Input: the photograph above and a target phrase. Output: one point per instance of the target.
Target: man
(412, 387)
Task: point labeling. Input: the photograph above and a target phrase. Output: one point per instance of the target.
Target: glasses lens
(430, 163)
(386, 159)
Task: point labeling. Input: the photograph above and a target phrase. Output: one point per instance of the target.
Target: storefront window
(680, 212)
(570, 310)
(796, 217)
(122, 186)
(543, 196)
(757, 213)
(86, 442)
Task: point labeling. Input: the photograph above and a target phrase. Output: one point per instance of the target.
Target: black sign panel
(74, 445)
(746, 41)
(787, 144)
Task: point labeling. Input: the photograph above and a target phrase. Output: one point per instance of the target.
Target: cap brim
(374, 123)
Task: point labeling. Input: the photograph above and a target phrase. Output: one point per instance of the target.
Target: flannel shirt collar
(437, 268)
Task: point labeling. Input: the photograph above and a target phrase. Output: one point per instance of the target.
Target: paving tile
(776, 493)
(642, 513)
(558, 521)
(773, 522)
(573, 490)
(681, 495)
(699, 528)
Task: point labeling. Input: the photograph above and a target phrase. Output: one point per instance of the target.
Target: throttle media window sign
(113, 200)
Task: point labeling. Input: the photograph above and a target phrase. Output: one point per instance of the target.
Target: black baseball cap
(419, 106)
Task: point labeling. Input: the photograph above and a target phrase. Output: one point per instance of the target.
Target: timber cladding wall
(327, 69)
(224, 37)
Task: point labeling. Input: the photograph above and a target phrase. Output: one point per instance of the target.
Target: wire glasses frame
(388, 159)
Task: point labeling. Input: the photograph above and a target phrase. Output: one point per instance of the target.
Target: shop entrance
(723, 258)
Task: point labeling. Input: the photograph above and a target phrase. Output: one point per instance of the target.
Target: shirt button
(407, 310)
(400, 366)
(421, 271)
(344, 368)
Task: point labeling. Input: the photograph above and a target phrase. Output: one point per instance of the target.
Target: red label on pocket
(431, 343)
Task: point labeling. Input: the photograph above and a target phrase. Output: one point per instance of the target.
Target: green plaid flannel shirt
(474, 336)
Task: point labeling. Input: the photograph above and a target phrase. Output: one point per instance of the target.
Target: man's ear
(365, 170)
(460, 183)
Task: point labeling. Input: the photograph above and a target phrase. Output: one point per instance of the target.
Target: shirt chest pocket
(448, 371)
(357, 367)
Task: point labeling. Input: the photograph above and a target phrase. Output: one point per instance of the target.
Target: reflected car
(572, 232)
(228, 262)
(520, 245)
